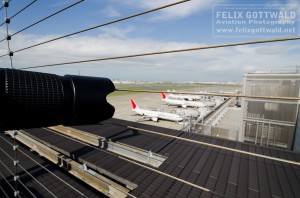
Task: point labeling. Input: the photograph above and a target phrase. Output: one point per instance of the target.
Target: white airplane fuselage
(155, 115)
(185, 97)
(182, 103)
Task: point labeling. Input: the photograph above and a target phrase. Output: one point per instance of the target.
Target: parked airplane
(185, 97)
(187, 112)
(155, 115)
(182, 103)
(189, 97)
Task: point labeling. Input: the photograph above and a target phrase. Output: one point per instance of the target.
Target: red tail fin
(163, 95)
(133, 104)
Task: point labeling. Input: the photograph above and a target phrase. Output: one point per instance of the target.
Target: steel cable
(7, 37)
(27, 189)
(17, 13)
(18, 179)
(3, 191)
(169, 51)
(297, 163)
(26, 171)
(3, 5)
(15, 189)
(214, 94)
(93, 147)
(41, 20)
(139, 164)
(47, 17)
(43, 167)
(53, 174)
(7, 182)
(105, 24)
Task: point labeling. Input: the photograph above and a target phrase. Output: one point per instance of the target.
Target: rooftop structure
(270, 122)
(138, 160)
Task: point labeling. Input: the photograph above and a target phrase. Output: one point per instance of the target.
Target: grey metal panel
(104, 129)
(164, 183)
(202, 161)
(216, 168)
(231, 187)
(296, 169)
(185, 191)
(163, 189)
(56, 141)
(204, 175)
(242, 188)
(158, 144)
(253, 185)
(186, 173)
(167, 150)
(195, 192)
(157, 183)
(224, 174)
(173, 190)
(274, 183)
(293, 181)
(264, 180)
(139, 191)
(290, 182)
(272, 111)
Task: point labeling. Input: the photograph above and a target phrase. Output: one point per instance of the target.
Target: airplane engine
(154, 119)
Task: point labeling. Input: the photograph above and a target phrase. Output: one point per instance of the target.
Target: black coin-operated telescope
(33, 99)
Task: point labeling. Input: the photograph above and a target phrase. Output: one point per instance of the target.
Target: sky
(192, 24)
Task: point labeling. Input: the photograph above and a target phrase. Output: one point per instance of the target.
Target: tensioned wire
(28, 173)
(169, 51)
(144, 166)
(3, 5)
(7, 34)
(20, 11)
(43, 167)
(94, 27)
(41, 20)
(18, 179)
(214, 94)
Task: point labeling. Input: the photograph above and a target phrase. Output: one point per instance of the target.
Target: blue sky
(182, 26)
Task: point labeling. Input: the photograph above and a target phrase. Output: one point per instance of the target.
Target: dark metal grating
(226, 173)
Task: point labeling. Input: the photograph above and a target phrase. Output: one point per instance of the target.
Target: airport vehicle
(182, 103)
(155, 115)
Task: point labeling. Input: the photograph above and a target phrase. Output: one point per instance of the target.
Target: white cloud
(61, 3)
(292, 5)
(289, 6)
(117, 32)
(110, 11)
(204, 65)
(175, 12)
